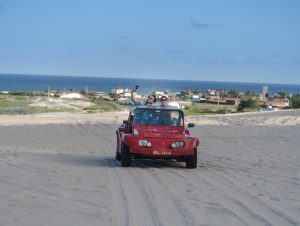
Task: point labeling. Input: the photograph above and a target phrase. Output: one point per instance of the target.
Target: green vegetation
(8, 101)
(207, 108)
(248, 105)
(33, 110)
(11, 103)
(28, 93)
(101, 105)
(30, 103)
(21, 104)
(282, 95)
(295, 101)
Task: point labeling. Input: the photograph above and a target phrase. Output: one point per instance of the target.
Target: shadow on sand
(109, 161)
(87, 160)
(81, 160)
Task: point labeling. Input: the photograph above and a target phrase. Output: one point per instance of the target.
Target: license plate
(161, 152)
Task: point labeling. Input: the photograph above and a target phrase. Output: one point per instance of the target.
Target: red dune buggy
(156, 133)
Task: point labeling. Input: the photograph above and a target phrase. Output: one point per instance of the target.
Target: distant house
(95, 93)
(92, 92)
(233, 101)
(274, 103)
(213, 92)
(122, 94)
(198, 99)
(228, 101)
(119, 91)
(217, 100)
(187, 93)
(278, 103)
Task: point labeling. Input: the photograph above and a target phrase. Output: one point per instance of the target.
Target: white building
(72, 96)
(176, 104)
(159, 94)
(119, 91)
(265, 92)
(198, 99)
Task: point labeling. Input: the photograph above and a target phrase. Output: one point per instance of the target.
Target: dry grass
(207, 108)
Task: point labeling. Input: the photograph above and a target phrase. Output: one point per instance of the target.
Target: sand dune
(62, 118)
(59, 169)
(284, 118)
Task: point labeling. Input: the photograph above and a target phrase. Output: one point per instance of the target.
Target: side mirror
(190, 125)
(125, 122)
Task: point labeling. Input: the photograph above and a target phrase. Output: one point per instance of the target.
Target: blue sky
(225, 40)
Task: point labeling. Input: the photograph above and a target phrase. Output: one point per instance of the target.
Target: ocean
(12, 82)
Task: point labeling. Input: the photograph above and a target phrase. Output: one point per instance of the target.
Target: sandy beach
(59, 169)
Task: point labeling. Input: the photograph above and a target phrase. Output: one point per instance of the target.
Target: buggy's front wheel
(125, 156)
(118, 156)
(191, 161)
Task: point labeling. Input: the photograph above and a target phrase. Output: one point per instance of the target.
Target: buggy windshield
(158, 117)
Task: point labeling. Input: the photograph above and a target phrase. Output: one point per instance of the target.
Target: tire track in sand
(130, 205)
(172, 213)
(271, 212)
(243, 205)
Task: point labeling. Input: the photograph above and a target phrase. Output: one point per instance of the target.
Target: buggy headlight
(145, 143)
(177, 144)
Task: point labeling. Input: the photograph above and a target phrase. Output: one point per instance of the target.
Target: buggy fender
(191, 142)
(128, 139)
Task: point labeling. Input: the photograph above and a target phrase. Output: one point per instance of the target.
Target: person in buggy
(163, 101)
(165, 119)
(151, 99)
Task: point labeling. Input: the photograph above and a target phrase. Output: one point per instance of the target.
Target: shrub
(248, 105)
(295, 101)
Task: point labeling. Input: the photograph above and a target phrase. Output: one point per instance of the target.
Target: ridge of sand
(282, 118)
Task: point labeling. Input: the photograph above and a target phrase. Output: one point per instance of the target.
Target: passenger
(164, 101)
(151, 100)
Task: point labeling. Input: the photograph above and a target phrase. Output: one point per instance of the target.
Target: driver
(149, 118)
(166, 119)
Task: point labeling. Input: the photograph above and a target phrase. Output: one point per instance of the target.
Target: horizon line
(164, 79)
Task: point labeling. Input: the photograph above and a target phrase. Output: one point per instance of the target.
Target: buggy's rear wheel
(125, 156)
(191, 161)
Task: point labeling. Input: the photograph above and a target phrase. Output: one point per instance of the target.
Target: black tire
(181, 159)
(118, 156)
(191, 161)
(125, 156)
